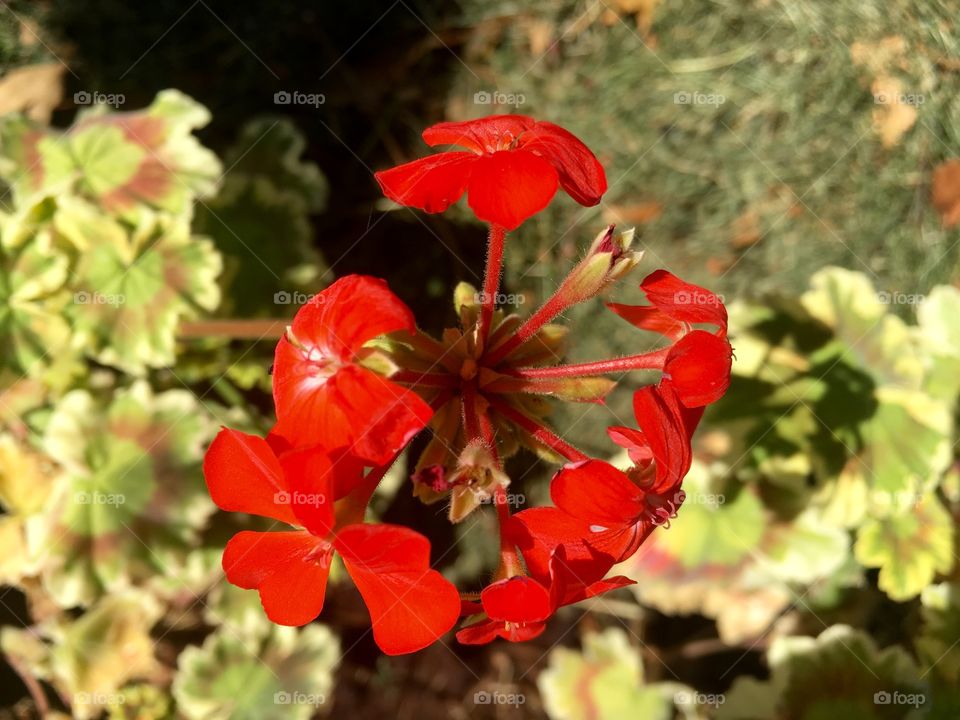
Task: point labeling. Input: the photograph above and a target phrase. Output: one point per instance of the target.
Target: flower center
(661, 509)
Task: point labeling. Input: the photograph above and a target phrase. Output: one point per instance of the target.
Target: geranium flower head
(510, 170)
(410, 604)
(321, 391)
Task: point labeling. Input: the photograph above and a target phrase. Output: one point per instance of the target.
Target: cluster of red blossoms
(354, 380)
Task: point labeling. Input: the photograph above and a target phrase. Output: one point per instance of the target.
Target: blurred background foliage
(801, 158)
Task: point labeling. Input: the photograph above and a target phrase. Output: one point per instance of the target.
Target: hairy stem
(491, 279)
(646, 361)
(538, 431)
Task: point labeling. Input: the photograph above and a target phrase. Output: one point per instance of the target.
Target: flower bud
(608, 259)
(474, 480)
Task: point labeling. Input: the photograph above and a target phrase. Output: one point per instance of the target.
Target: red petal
(633, 441)
(243, 475)
(354, 409)
(604, 586)
(539, 531)
(488, 630)
(571, 582)
(484, 135)
(674, 306)
(597, 493)
(432, 184)
(517, 599)
(648, 317)
(309, 475)
(337, 321)
(684, 301)
(410, 605)
(581, 174)
(289, 569)
(658, 414)
(480, 633)
(698, 367)
(509, 186)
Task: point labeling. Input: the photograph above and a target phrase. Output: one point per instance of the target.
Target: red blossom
(602, 514)
(698, 363)
(410, 604)
(323, 394)
(347, 404)
(518, 607)
(675, 306)
(510, 171)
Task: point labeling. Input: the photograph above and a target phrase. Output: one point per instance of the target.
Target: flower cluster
(355, 379)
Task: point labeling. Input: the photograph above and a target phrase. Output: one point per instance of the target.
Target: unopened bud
(608, 259)
(474, 480)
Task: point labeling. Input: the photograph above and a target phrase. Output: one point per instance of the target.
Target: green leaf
(286, 675)
(908, 442)
(132, 500)
(125, 162)
(265, 236)
(271, 147)
(938, 328)
(32, 293)
(604, 682)
(131, 291)
(94, 655)
(711, 529)
(728, 558)
(877, 341)
(839, 674)
(910, 546)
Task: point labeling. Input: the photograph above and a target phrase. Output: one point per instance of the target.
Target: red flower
(322, 393)
(410, 604)
(518, 607)
(698, 364)
(510, 170)
(675, 306)
(608, 511)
